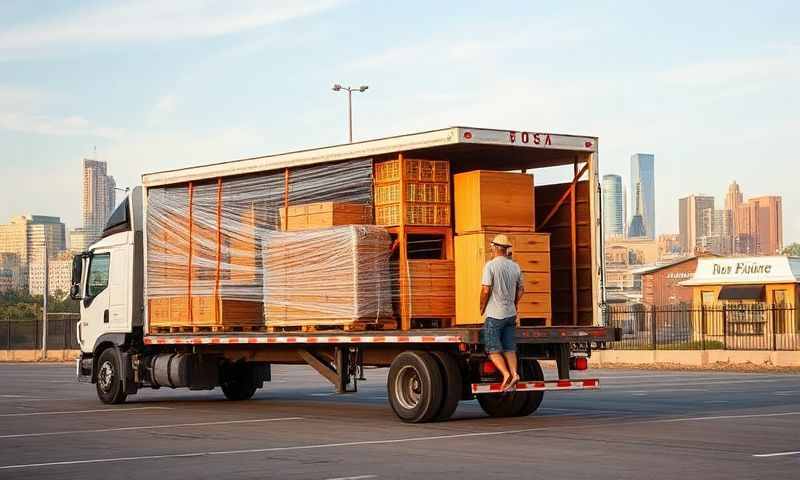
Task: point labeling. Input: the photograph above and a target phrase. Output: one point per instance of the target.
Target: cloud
(151, 21)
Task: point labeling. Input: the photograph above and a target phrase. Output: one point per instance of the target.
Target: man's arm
(520, 291)
(485, 292)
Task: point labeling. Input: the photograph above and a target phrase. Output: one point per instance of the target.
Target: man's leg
(500, 362)
(492, 331)
(509, 341)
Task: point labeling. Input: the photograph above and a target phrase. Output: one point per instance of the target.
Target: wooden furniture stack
(488, 203)
(412, 199)
(324, 214)
(334, 277)
(206, 274)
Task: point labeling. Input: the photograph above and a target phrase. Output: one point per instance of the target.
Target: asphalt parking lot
(641, 424)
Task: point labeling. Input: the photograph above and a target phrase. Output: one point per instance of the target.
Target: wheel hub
(105, 376)
(408, 387)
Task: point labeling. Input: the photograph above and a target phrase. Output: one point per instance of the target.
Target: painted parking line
(635, 392)
(147, 427)
(778, 454)
(692, 384)
(69, 412)
(359, 477)
(584, 426)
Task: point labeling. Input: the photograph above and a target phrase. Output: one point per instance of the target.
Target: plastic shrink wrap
(205, 244)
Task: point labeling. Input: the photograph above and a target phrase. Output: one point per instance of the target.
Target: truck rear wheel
(237, 382)
(109, 381)
(515, 404)
(452, 383)
(415, 387)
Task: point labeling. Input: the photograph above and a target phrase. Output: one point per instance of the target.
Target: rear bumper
(540, 386)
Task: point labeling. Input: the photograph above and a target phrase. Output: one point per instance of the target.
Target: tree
(792, 250)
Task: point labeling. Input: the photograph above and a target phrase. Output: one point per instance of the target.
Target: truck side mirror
(75, 282)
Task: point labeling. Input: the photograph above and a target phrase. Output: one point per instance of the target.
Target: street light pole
(44, 302)
(349, 90)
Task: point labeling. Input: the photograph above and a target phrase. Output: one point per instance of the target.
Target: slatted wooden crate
(412, 192)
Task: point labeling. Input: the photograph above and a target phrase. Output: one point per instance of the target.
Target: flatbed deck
(466, 335)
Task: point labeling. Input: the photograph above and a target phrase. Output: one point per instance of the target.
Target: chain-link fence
(23, 334)
(718, 327)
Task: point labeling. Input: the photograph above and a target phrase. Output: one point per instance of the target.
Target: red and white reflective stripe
(225, 340)
(536, 386)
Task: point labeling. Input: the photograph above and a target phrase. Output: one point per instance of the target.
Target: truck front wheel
(109, 380)
(415, 387)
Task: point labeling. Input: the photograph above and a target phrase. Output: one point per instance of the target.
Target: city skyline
(642, 192)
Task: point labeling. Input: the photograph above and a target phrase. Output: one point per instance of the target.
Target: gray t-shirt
(505, 277)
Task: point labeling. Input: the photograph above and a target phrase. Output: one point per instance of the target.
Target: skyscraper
(734, 197)
(759, 226)
(643, 181)
(99, 198)
(690, 220)
(637, 229)
(25, 237)
(613, 214)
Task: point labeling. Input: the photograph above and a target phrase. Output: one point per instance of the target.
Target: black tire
(452, 383)
(415, 387)
(515, 404)
(531, 370)
(237, 382)
(109, 381)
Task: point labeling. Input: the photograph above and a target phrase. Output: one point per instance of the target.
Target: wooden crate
(412, 192)
(207, 310)
(336, 276)
(530, 250)
(325, 214)
(488, 200)
(431, 285)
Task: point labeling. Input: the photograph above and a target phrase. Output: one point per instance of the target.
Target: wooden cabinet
(488, 200)
(530, 250)
(431, 287)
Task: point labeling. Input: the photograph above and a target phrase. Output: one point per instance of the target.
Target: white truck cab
(108, 280)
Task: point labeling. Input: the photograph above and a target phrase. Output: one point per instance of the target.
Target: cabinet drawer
(534, 303)
(529, 242)
(536, 282)
(533, 262)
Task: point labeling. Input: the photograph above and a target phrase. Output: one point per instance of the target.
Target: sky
(710, 88)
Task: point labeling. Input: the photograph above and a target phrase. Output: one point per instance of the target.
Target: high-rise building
(77, 240)
(759, 226)
(613, 199)
(643, 182)
(59, 272)
(690, 220)
(25, 237)
(637, 228)
(10, 269)
(734, 197)
(99, 198)
(717, 233)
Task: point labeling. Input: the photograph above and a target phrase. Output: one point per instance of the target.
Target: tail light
(488, 368)
(579, 363)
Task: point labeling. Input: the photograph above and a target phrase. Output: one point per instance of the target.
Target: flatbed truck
(430, 369)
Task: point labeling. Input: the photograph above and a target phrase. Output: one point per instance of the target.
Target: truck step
(539, 386)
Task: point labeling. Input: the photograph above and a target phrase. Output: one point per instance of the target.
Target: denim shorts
(498, 335)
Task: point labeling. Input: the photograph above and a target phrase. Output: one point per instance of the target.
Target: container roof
(467, 148)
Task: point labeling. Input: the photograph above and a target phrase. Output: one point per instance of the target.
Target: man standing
(502, 290)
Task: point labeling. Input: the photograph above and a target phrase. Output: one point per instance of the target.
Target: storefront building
(661, 285)
(746, 300)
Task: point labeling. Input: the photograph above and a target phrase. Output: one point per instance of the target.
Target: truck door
(118, 293)
(95, 314)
